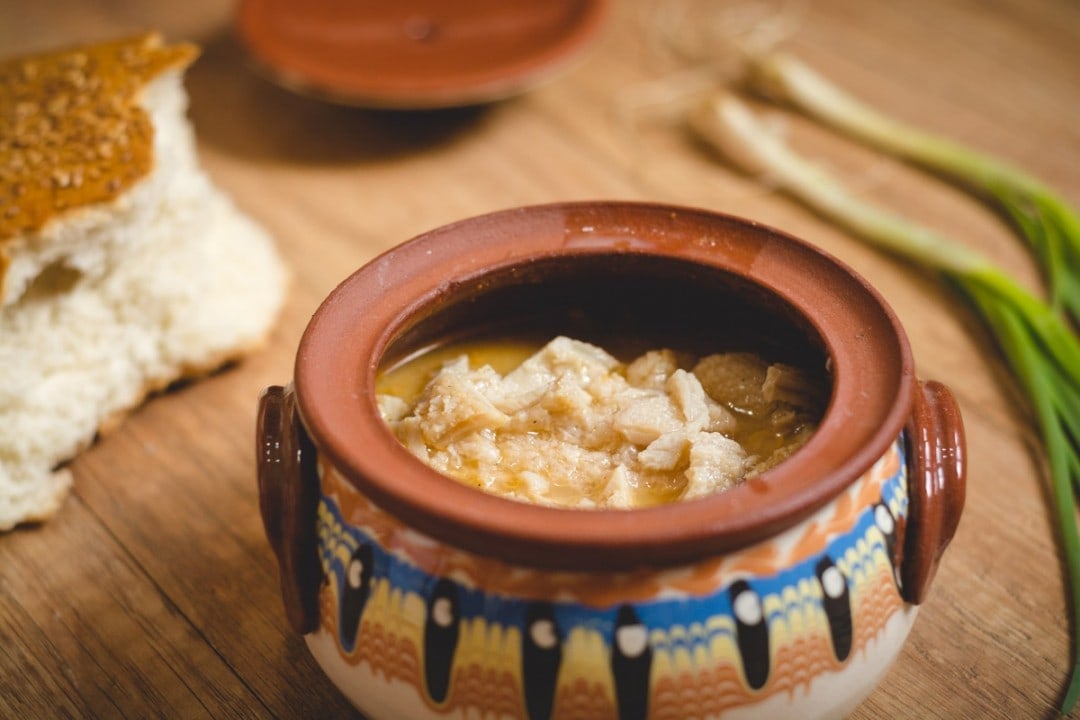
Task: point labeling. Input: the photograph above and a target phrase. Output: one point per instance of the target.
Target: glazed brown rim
(339, 354)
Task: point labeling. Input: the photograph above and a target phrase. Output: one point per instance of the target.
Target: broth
(565, 423)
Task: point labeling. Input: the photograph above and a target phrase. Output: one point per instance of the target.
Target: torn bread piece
(122, 267)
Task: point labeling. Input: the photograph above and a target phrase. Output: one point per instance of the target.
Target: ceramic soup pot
(787, 596)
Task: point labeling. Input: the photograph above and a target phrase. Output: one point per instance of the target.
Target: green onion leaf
(1050, 227)
(1040, 348)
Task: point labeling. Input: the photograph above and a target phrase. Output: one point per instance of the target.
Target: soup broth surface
(566, 423)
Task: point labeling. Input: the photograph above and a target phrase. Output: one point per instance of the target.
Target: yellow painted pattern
(696, 668)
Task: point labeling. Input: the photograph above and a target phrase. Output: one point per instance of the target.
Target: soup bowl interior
(629, 277)
(626, 303)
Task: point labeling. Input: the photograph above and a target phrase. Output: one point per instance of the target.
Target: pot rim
(341, 349)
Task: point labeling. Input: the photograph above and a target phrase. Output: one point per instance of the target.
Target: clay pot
(788, 596)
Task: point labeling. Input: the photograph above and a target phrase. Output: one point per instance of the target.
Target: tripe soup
(565, 423)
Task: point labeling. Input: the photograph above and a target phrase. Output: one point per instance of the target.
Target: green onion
(1038, 345)
(1050, 227)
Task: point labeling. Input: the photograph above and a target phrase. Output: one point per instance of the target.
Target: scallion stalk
(1039, 347)
(1046, 221)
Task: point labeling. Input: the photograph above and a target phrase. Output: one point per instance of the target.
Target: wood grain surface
(153, 593)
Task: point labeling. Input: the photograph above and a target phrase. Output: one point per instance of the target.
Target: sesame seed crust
(71, 130)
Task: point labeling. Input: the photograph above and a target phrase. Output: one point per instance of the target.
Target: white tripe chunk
(618, 491)
(652, 369)
(531, 381)
(391, 407)
(646, 416)
(665, 452)
(716, 463)
(567, 396)
(571, 426)
(721, 420)
(453, 406)
(481, 447)
(410, 432)
(582, 357)
(536, 486)
(688, 395)
(524, 386)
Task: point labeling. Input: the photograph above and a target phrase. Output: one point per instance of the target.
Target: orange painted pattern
(876, 604)
(494, 689)
(328, 610)
(815, 538)
(696, 695)
(583, 700)
(796, 664)
(393, 655)
(600, 589)
(801, 648)
(709, 690)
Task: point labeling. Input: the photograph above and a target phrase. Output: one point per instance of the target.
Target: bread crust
(125, 268)
(72, 131)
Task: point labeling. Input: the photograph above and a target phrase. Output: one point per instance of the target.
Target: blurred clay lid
(416, 54)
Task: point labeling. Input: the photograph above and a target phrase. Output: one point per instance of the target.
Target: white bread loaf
(122, 268)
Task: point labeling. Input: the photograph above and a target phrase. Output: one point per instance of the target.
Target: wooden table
(154, 592)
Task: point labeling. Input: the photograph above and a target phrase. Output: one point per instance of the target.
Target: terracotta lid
(415, 54)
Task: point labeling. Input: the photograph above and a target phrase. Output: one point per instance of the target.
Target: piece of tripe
(122, 268)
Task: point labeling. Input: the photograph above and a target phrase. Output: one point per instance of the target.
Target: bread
(122, 267)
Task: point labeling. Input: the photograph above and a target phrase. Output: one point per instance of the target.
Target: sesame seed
(70, 122)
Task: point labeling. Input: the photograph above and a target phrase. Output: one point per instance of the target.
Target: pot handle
(937, 463)
(288, 502)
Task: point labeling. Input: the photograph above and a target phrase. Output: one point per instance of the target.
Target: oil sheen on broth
(567, 424)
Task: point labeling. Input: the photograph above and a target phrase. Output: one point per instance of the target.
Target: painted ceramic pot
(787, 596)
